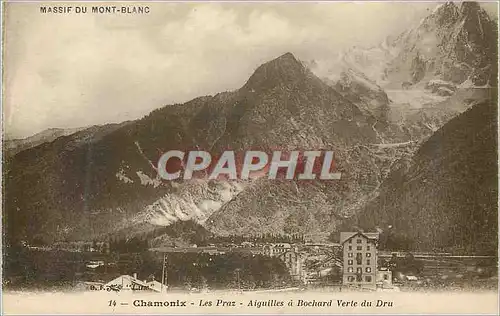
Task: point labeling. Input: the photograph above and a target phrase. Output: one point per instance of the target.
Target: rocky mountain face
(284, 105)
(432, 74)
(302, 112)
(417, 81)
(456, 43)
(445, 196)
(96, 181)
(103, 180)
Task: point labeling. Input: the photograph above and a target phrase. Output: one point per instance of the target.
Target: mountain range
(380, 110)
(13, 146)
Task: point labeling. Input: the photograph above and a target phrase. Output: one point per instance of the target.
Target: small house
(127, 282)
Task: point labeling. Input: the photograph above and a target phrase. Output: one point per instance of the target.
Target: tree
(203, 283)
(188, 284)
(38, 241)
(391, 240)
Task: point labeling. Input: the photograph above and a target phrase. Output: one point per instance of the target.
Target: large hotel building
(360, 258)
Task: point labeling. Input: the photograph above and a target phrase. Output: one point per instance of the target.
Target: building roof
(129, 278)
(282, 245)
(156, 286)
(345, 236)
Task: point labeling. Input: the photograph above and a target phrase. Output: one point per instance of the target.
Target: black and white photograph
(249, 157)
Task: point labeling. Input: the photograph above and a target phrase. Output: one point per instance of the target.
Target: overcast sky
(73, 70)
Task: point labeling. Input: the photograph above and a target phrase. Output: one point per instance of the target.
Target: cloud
(76, 70)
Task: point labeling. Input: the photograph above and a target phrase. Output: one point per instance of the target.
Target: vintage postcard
(256, 157)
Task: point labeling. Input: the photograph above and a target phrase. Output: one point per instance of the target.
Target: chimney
(135, 275)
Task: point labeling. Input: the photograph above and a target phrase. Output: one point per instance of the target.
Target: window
(359, 270)
(350, 247)
(350, 241)
(368, 269)
(349, 254)
(367, 247)
(368, 254)
(350, 270)
(358, 278)
(350, 278)
(359, 247)
(349, 262)
(359, 241)
(359, 259)
(386, 277)
(368, 278)
(368, 261)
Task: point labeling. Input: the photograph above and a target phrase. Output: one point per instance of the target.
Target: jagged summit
(449, 13)
(285, 56)
(470, 7)
(287, 59)
(284, 70)
(445, 14)
(456, 43)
